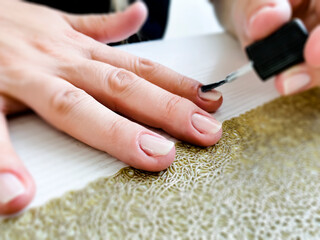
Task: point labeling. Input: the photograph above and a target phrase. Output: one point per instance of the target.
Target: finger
(256, 19)
(75, 112)
(317, 7)
(300, 4)
(160, 76)
(297, 79)
(111, 27)
(17, 187)
(312, 49)
(125, 92)
(306, 10)
(304, 76)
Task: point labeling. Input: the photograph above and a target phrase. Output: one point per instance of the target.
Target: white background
(191, 17)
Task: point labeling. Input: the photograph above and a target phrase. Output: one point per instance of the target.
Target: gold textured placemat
(261, 181)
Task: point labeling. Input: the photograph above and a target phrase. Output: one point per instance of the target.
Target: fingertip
(17, 191)
(140, 9)
(294, 80)
(312, 49)
(210, 139)
(155, 153)
(266, 19)
(138, 12)
(163, 162)
(207, 131)
(127, 23)
(209, 101)
(109, 28)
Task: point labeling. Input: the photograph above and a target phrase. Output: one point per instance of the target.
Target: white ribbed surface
(57, 162)
(60, 163)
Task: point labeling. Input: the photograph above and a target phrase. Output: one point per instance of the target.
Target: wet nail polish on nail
(212, 95)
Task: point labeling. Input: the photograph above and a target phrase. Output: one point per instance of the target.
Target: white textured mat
(60, 163)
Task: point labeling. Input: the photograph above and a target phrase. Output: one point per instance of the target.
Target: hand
(53, 63)
(252, 20)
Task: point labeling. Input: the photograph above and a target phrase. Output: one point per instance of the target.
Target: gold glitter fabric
(261, 181)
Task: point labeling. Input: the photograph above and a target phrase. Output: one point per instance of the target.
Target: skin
(59, 66)
(78, 84)
(252, 20)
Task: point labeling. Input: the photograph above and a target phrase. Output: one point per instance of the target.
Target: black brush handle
(279, 51)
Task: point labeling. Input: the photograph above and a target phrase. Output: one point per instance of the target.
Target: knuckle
(145, 67)
(80, 44)
(184, 83)
(173, 104)
(64, 101)
(70, 42)
(115, 130)
(41, 44)
(74, 35)
(120, 82)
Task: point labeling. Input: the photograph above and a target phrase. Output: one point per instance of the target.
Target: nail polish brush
(271, 55)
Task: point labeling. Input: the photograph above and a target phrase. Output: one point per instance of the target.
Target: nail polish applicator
(271, 55)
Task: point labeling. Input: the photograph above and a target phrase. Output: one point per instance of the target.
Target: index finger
(159, 75)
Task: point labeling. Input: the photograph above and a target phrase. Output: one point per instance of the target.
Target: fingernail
(155, 146)
(10, 187)
(296, 83)
(212, 95)
(254, 17)
(204, 124)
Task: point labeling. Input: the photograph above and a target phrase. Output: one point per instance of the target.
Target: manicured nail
(155, 146)
(295, 83)
(212, 95)
(10, 187)
(204, 124)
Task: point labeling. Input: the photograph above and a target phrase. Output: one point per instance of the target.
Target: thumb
(254, 20)
(110, 27)
(17, 187)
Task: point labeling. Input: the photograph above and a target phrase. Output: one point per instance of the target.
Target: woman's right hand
(251, 20)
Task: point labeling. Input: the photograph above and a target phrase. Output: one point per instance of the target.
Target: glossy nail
(155, 146)
(205, 124)
(10, 187)
(212, 95)
(295, 83)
